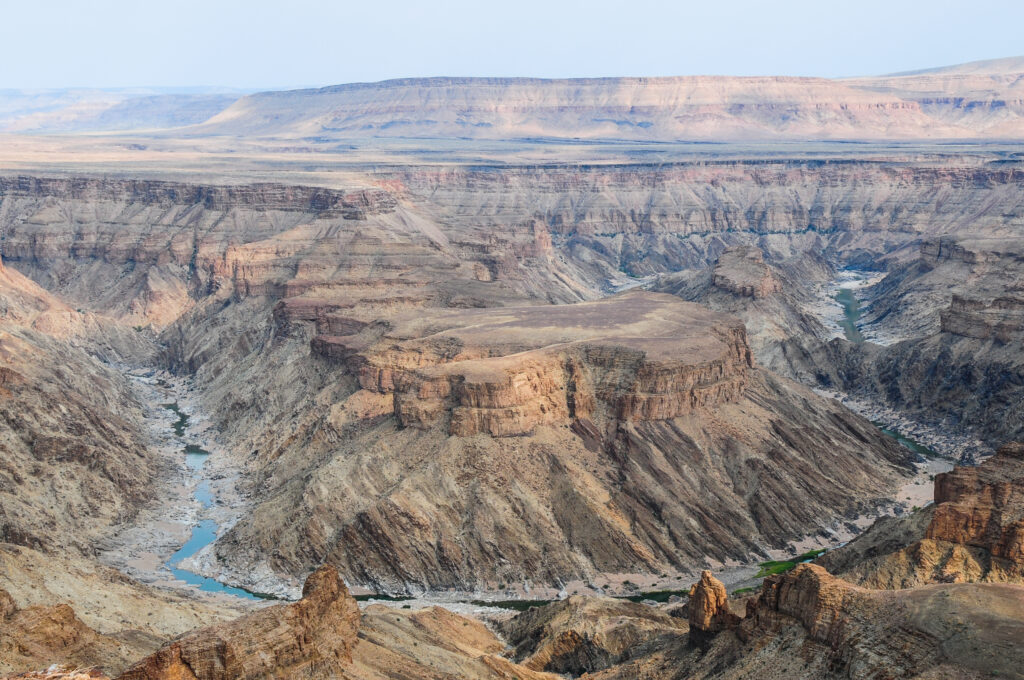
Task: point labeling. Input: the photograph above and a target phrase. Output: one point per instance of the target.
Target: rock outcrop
(586, 634)
(312, 638)
(974, 532)
(37, 637)
(1001, 319)
(742, 271)
(466, 448)
(708, 608)
(847, 631)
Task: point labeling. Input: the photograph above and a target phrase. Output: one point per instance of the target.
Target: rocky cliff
(810, 624)
(36, 637)
(636, 357)
(742, 271)
(312, 638)
(74, 459)
(974, 532)
(956, 310)
(586, 634)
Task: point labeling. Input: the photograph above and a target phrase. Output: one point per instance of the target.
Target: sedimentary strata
(312, 638)
(974, 532)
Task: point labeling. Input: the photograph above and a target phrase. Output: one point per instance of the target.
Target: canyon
(476, 342)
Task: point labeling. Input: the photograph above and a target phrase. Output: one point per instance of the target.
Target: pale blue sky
(261, 44)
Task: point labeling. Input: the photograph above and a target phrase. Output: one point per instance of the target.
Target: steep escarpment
(656, 218)
(469, 448)
(145, 250)
(974, 532)
(958, 309)
(506, 372)
(74, 459)
(476, 235)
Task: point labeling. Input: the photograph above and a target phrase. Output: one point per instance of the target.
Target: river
(193, 500)
(204, 532)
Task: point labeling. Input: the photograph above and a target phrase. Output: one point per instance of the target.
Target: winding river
(205, 531)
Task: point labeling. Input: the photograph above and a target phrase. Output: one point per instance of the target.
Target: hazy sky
(263, 44)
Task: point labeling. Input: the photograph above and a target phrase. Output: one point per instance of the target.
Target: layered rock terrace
(638, 356)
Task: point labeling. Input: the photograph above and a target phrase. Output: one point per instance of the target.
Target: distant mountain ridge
(979, 100)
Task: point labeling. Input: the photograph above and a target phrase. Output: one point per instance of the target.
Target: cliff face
(36, 637)
(1001, 319)
(854, 632)
(742, 271)
(74, 460)
(957, 310)
(637, 357)
(312, 638)
(974, 532)
(149, 251)
(145, 250)
(983, 507)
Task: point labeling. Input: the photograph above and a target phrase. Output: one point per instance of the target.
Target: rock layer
(645, 439)
(975, 532)
(637, 357)
(312, 638)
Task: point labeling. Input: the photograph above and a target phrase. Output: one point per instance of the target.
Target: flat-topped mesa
(354, 204)
(638, 356)
(1001, 319)
(742, 271)
(971, 250)
(983, 507)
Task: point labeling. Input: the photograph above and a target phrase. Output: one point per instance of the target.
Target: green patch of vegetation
(782, 566)
(656, 595)
(741, 591)
(386, 598)
(774, 567)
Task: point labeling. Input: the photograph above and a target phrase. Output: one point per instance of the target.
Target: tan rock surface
(36, 637)
(810, 624)
(643, 433)
(312, 638)
(974, 533)
(708, 608)
(586, 634)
